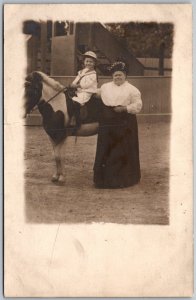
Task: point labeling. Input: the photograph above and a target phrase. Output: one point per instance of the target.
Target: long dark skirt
(117, 156)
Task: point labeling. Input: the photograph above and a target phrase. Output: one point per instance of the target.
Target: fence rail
(155, 91)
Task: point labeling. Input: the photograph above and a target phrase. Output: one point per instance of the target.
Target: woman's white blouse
(124, 95)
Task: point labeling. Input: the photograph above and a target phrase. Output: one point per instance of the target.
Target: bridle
(50, 99)
(62, 90)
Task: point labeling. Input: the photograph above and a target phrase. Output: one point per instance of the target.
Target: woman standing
(117, 157)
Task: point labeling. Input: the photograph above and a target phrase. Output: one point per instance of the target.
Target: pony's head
(33, 91)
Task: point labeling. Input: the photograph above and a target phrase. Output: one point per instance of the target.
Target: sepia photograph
(97, 96)
(100, 179)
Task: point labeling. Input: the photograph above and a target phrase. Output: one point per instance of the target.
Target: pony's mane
(51, 82)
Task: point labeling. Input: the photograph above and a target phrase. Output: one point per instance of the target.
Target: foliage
(144, 39)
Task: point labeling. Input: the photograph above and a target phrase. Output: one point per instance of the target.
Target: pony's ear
(34, 76)
(29, 77)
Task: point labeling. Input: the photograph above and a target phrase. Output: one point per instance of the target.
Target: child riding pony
(56, 107)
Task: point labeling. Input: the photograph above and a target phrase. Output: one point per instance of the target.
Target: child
(85, 83)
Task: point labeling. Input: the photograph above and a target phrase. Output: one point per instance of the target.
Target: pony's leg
(59, 162)
(58, 175)
(55, 176)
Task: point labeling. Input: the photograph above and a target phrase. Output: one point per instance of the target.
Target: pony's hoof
(61, 179)
(55, 178)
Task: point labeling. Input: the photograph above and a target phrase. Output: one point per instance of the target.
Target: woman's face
(119, 77)
(89, 63)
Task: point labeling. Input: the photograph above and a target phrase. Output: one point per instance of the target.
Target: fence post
(43, 47)
(161, 59)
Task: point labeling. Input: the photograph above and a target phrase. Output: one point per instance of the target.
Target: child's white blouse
(88, 85)
(87, 80)
(124, 95)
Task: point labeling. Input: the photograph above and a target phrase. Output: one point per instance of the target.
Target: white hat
(90, 54)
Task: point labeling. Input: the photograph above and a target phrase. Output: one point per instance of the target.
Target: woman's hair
(118, 66)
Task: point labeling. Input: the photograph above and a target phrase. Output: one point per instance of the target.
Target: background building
(56, 47)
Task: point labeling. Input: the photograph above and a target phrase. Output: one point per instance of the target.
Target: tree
(144, 39)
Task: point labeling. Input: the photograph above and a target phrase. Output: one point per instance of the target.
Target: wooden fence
(155, 91)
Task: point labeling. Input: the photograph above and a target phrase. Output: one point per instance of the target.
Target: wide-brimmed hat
(118, 66)
(90, 54)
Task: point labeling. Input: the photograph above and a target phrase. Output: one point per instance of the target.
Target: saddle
(89, 112)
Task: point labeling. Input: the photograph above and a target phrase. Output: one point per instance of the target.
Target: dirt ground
(77, 201)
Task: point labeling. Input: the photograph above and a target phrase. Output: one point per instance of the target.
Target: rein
(62, 90)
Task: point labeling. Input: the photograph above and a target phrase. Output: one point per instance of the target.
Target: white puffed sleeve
(136, 102)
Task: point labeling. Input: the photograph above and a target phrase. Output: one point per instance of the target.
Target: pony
(55, 105)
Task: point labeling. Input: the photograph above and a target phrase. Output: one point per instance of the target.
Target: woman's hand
(120, 109)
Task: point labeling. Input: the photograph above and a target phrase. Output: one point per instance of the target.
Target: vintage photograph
(98, 191)
(98, 113)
